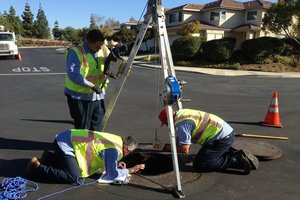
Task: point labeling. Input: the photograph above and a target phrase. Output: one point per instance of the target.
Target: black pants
(64, 170)
(86, 114)
(216, 155)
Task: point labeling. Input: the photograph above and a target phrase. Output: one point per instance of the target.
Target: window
(223, 14)
(265, 33)
(214, 16)
(202, 33)
(6, 37)
(175, 17)
(252, 15)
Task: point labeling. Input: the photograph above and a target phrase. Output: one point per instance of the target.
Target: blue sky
(76, 13)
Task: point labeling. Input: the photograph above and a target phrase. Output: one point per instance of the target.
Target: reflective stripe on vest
(104, 53)
(87, 145)
(83, 57)
(207, 125)
(90, 70)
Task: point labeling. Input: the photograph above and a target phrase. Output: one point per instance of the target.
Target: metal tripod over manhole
(172, 91)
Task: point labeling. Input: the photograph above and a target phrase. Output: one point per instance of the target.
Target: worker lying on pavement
(216, 137)
(81, 153)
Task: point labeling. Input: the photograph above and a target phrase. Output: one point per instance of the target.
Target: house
(223, 18)
(134, 25)
(130, 24)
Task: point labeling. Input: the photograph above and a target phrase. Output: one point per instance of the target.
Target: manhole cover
(262, 150)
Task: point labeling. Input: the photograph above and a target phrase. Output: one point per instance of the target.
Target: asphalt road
(33, 110)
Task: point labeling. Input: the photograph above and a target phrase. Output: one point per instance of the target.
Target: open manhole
(156, 164)
(159, 169)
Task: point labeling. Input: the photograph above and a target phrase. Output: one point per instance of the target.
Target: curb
(225, 72)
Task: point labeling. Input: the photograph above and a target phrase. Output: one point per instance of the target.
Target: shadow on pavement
(161, 190)
(13, 168)
(246, 123)
(232, 172)
(50, 121)
(17, 144)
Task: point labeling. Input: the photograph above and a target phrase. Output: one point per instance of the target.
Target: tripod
(172, 95)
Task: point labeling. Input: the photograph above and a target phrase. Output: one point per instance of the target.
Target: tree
(14, 21)
(280, 19)
(41, 25)
(132, 19)
(93, 23)
(27, 22)
(124, 35)
(111, 22)
(189, 28)
(70, 34)
(107, 32)
(150, 33)
(98, 20)
(82, 33)
(56, 31)
(4, 21)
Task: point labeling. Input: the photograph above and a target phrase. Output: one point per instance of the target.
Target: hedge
(219, 50)
(261, 49)
(186, 47)
(23, 42)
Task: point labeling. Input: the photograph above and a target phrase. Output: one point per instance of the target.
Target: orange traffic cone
(272, 117)
(19, 57)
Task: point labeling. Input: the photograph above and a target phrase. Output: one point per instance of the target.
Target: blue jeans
(65, 170)
(216, 155)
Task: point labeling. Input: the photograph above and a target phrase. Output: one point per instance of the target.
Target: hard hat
(163, 116)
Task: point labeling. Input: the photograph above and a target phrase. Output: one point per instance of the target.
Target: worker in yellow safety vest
(86, 82)
(80, 153)
(216, 138)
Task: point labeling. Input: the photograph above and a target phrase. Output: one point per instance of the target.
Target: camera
(114, 64)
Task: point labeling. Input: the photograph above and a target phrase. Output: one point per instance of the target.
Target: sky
(77, 13)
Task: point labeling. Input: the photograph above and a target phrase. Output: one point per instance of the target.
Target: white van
(8, 45)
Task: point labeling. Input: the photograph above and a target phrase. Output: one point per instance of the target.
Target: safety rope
(142, 14)
(15, 188)
(80, 181)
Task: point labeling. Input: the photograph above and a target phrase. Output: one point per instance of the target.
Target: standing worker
(216, 137)
(80, 153)
(86, 82)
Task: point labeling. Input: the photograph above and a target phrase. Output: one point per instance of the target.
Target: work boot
(242, 162)
(48, 158)
(32, 166)
(252, 159)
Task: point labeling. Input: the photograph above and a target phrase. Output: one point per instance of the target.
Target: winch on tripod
(172, 92)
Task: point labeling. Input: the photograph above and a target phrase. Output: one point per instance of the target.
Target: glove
(96, 89)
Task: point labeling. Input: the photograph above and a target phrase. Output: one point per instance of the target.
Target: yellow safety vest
(207, 125)
(90, 70)
(87, 146)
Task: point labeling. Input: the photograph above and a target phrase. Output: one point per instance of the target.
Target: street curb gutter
(225, 72)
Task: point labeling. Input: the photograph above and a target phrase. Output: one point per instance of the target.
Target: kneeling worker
(80, 153)
(216, 137)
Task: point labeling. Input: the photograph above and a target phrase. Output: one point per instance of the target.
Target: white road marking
(30, 74)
